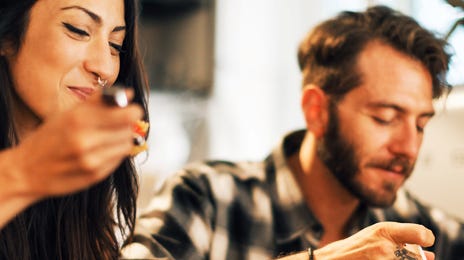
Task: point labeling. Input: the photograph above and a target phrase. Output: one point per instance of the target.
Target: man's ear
(314, 105)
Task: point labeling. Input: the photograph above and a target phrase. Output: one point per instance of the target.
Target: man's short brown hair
(327, 56)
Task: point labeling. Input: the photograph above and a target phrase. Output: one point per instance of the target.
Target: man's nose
(406, 141)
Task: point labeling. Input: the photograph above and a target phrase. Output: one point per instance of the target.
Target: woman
(57, 138)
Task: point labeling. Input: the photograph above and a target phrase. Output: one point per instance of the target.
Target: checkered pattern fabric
(255, 210)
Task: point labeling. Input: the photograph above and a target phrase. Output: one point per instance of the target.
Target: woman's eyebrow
(119, 28)
(96, 18)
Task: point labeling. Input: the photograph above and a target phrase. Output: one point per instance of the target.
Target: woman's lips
(82, 92)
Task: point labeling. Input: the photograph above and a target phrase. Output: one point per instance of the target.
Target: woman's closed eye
(116, 49)
(79, 33)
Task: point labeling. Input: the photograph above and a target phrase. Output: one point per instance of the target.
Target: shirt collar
(292, 216)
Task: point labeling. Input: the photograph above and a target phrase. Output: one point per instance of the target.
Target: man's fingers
(429, 255)
(408, 233)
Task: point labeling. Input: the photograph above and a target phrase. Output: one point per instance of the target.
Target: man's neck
(331, 203)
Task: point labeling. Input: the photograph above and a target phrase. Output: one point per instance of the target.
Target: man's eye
(75, 30)
(421, 128)
(381, 120)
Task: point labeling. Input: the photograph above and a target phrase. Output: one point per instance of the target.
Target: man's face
(374, 133)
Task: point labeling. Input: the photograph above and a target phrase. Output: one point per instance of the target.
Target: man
(369, 79)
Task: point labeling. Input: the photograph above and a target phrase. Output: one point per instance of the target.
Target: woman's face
(67, 45)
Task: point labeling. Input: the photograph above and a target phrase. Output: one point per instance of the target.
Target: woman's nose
(99, 60)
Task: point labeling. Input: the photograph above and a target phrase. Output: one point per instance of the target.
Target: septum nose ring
(101, 82)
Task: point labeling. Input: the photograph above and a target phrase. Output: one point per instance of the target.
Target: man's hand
(385, 240)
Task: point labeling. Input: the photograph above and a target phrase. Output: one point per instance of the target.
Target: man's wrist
(311, 253)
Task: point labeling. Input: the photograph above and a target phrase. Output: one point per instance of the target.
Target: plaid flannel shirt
(255, 210)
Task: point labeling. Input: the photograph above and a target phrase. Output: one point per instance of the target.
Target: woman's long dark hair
(83, 225)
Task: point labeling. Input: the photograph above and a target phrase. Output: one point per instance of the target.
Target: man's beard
(340, 157)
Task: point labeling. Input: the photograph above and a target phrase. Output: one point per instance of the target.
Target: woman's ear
(6, 48)
(314, 105)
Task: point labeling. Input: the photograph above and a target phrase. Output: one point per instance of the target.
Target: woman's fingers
(77, 148)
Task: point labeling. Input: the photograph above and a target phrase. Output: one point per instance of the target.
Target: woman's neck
(24, 119)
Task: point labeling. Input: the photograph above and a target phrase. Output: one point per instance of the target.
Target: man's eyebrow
(97, 19)
(399, 109)
(386, 105)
